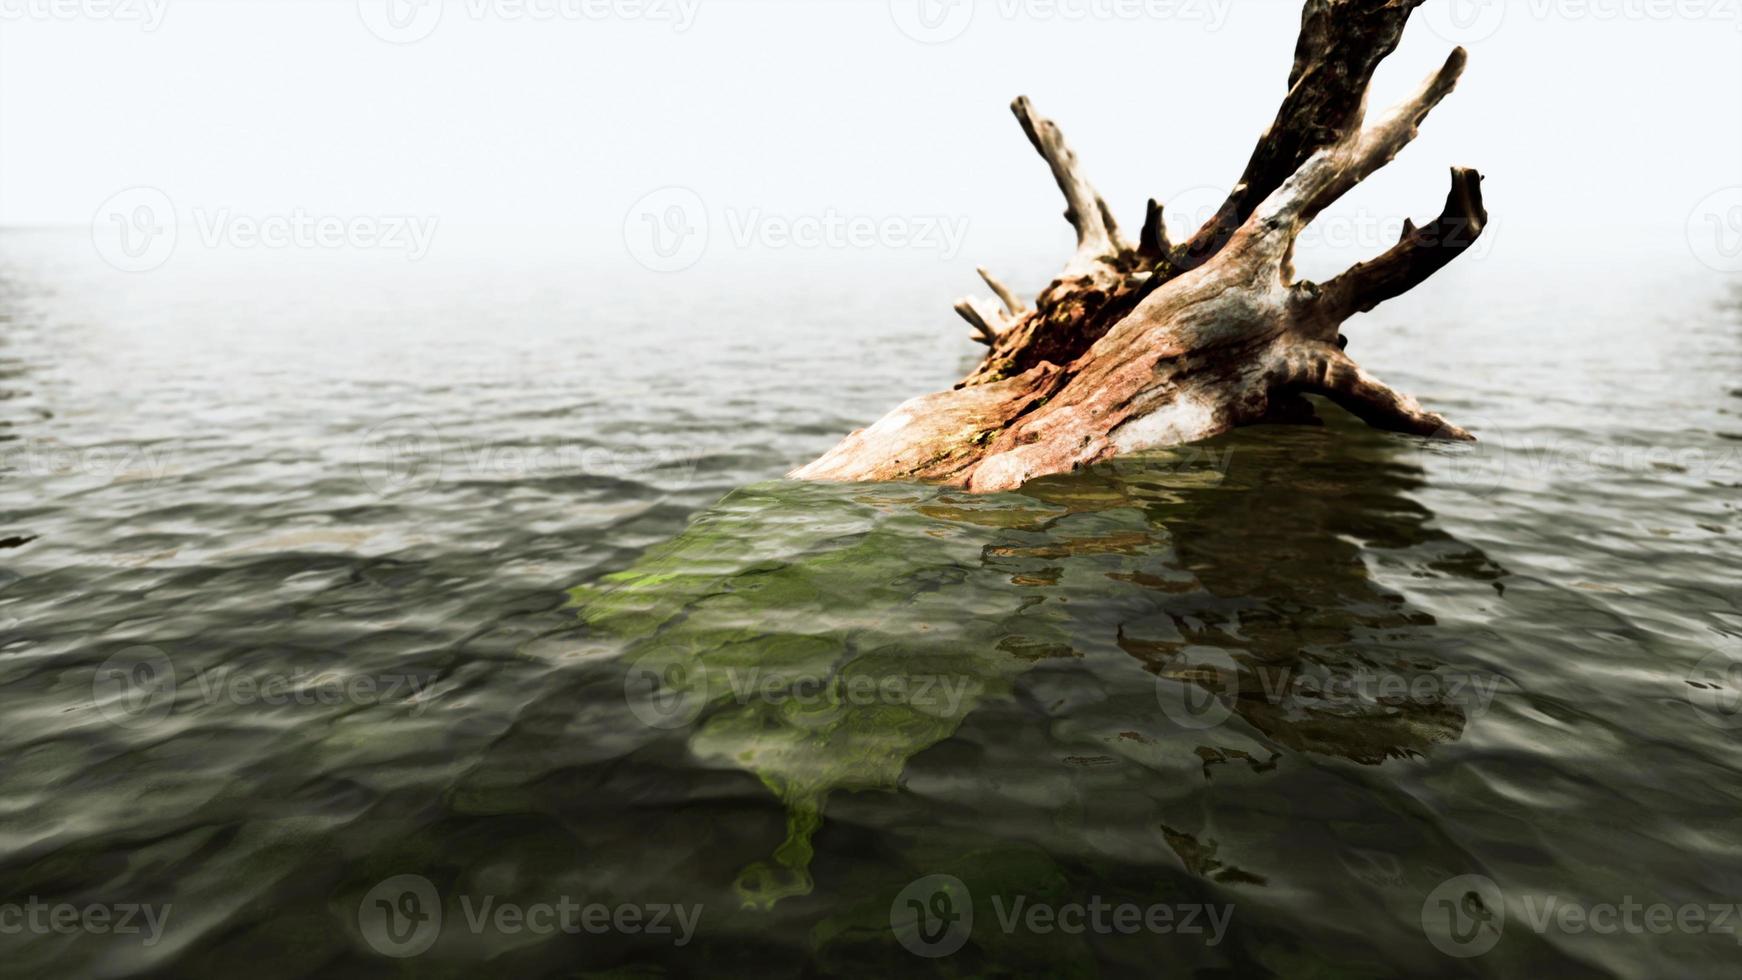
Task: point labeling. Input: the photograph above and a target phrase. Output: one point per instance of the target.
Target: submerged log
(1148, 344)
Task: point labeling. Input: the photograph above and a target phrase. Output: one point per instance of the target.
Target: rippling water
(342, 597)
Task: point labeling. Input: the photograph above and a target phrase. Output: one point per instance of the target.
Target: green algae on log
(821, 671)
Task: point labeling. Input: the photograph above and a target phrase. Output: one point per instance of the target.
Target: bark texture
(1149, 343)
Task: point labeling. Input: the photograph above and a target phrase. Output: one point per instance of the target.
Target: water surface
(527, 521)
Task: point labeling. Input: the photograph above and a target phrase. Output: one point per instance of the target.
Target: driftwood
(1152, 343)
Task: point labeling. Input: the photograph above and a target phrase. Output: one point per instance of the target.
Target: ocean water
(363, 617)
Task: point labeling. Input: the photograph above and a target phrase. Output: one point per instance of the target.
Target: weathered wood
(1136, 346)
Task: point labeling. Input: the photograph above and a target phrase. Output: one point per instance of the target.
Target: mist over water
(325, 570)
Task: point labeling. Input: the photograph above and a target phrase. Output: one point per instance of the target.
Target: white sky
(1595, 121)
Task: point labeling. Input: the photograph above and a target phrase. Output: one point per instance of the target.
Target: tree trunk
(1136, 346)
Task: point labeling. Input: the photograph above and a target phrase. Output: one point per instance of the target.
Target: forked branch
(1097, 232)
(1420, 253)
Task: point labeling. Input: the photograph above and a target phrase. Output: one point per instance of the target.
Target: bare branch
(1333, 171)
(1097, 235)
(986, 320)
(1013, 305)
(1419, 254)
(1341, 44)
(1152, 244)
(1325, 370)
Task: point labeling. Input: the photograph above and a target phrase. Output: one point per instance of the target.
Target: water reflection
(821, 637)
(1270, 603)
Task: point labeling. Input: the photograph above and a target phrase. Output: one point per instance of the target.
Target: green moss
(787, 613)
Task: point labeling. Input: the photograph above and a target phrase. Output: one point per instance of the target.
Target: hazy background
(337, 458)
(1604, 127)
